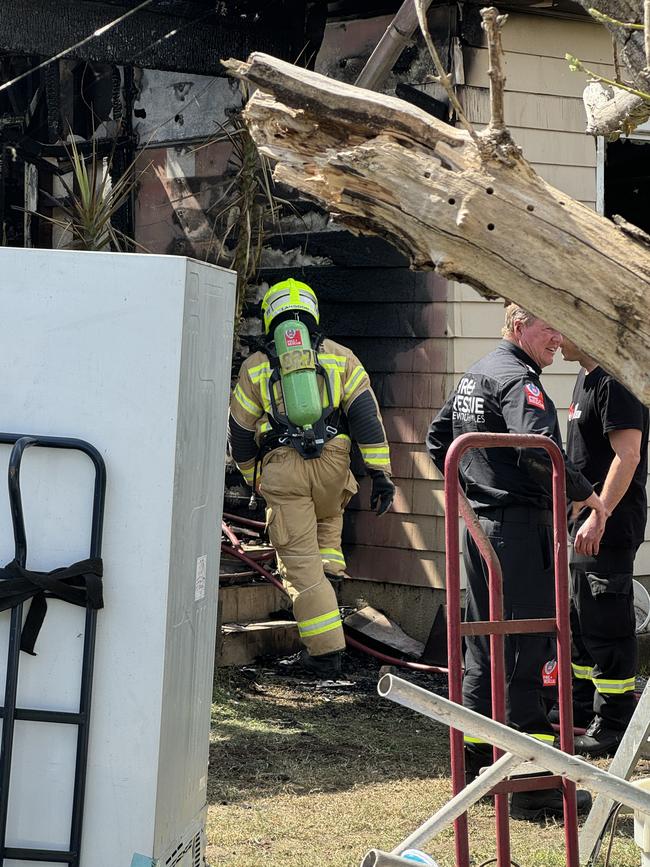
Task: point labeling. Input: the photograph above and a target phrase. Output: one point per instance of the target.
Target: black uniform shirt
(502, 393)
(601, 404)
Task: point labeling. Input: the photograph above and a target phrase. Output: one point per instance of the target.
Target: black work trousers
(603, 627)
(523, 540)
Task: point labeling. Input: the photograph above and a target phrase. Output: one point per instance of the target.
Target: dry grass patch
(302, 776)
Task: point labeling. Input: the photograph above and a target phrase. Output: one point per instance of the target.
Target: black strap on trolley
(79, 584)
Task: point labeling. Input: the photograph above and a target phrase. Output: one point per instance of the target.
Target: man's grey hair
(515, 313)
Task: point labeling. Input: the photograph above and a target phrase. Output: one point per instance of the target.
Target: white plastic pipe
(528, 749)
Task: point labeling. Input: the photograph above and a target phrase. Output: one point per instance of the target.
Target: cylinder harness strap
(79, 584)
(309, 444)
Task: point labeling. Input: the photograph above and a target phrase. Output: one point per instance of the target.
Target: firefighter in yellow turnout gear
(303, 472)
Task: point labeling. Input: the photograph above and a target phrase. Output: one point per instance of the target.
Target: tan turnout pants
(305, 502)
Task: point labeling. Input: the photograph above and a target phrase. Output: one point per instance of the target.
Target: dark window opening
(93, 98)
(627, 181)
(12, 198)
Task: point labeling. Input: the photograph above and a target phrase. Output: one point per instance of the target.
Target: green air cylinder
(302, 401)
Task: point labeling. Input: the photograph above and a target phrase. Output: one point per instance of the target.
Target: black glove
(382, 493)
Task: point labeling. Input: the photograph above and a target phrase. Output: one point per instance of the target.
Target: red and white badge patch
(534, 395)
(293, 337)
(549, 673)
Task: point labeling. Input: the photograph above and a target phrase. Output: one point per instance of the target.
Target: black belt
(517, 514)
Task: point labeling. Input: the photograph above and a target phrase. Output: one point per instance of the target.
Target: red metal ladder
(496, 627)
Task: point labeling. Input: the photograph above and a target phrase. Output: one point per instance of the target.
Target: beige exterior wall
(543, 101)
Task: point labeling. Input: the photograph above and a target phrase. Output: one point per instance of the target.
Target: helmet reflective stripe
(288, 295)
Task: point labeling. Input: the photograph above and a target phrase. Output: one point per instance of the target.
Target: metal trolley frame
(9, 712)
(496, 627)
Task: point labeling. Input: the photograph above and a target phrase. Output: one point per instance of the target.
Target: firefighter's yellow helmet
(288, 295)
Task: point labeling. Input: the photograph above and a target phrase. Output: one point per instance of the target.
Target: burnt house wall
(394, 321)
(90, 92)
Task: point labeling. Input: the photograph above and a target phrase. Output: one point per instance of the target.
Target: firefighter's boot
(327, 666)
(599, 740)
(540, 804)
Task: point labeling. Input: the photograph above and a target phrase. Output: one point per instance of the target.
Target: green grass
(301, 776)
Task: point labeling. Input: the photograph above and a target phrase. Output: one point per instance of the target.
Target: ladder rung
(49, 716)
(527, 769)
(52, 855)
(526, 784)
(508, 627)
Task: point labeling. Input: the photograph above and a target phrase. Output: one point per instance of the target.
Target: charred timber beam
(38, 154)
(46, 27)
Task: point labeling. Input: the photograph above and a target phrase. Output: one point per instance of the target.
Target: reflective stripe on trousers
(547, 739)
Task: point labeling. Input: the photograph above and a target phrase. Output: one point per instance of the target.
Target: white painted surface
(131, 353)
(181, 107)
(601, 147)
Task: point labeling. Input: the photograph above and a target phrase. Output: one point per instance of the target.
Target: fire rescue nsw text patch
(468, 406)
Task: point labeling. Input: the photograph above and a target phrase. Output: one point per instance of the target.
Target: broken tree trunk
(469, 206)
(613, 111)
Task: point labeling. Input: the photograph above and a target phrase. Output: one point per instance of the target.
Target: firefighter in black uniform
(510, 490)
(608, 442)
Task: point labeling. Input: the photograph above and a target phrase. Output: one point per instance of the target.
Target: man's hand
(382, 493)
(588, 537)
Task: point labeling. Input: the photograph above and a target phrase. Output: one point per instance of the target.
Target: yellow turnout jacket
(250, 407)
